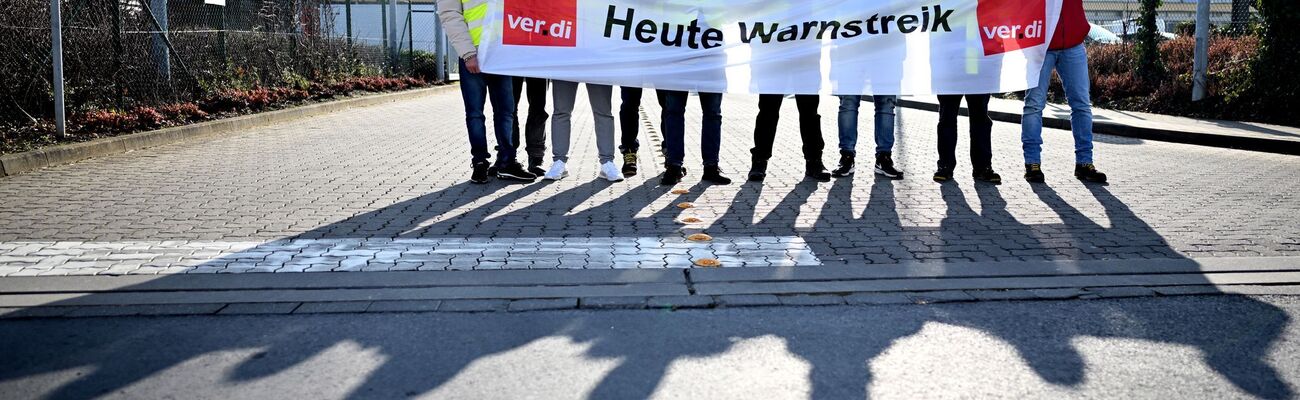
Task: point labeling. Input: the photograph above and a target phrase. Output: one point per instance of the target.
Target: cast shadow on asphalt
(424, 352)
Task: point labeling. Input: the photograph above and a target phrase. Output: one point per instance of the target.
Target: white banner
(909, 47)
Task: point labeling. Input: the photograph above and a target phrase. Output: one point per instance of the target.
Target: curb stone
(17, 163)
(1160, 135)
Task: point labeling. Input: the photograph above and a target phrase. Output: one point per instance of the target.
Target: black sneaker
(1088, 172)
(943, 174)
(845, 169)
(713, 174)
(629, 164)
(673, 175)
(885, 166)
(480, 174)
(1034, 173)
(535, 167)
(758, 172)
(514, 172)
(817, 171)
(987, 175)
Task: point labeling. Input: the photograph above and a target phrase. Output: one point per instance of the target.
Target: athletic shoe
(609, 172)
(480, 174)
(629, 164)
(557, 172)
(987, 175)
(1034, 173)
(943, 174)
(514, 172)
(885, 166)
(845, 169)
(713, 174)
(817, 171)
(673, 175)
(1088, 172)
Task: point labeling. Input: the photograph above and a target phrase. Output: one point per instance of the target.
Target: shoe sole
(509, 177)
(602, 176)
(556, 178)
(882, 172)
(1088, 180)
(844, 175)
(942, 179)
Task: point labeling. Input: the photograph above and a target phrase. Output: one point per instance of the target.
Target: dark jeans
(535, 127)
(475, 89)
(810, 128)
(981, 129)
(629, 117)
(674, 120)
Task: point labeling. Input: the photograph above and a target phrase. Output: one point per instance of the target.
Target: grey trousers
(565, 93)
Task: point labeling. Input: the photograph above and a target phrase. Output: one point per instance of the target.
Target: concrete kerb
(1161, 135)
(13, 164)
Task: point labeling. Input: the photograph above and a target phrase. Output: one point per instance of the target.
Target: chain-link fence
(1175, 17)
(120, 54)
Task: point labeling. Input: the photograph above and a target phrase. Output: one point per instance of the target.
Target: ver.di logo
(541, 23)
(1008, 25)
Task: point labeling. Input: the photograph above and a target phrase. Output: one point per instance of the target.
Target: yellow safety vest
(474, 12)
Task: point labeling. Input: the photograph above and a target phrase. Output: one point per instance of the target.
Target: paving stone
(543, 304)
(941, 296)
(132, 310)
(877, 298)
(332, 307)
(1186, 290)
(1061, 294)
(258, 308)
(681, 302)
(629, 302)
(473, 305)
(404, 306)
(812, 300)
(1012, 294)
(36, 312)
(747, 300)
(1122, 291)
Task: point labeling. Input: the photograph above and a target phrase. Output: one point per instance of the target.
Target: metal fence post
(394, 42)
(347, 12)
(1200, 59)
(161, 51)
(56, 53)
(439, 51)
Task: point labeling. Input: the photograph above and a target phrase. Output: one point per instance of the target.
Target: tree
(1275, 82)
(1149, 67)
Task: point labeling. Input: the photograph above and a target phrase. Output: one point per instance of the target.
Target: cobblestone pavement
(384, 188)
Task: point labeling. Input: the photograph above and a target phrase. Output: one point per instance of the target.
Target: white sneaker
(557, 172)
(610, 172)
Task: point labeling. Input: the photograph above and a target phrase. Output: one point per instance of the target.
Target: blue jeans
(674, 120)
(475, 89)
(885, 106)
(1072, 65)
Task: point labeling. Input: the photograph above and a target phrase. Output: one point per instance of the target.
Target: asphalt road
(1185, 347)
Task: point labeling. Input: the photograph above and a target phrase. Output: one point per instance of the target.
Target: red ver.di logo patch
(541, 23)
(1007, 25)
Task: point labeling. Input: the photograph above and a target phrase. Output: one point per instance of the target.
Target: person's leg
(1073, 68)
(535, 129)
(601, 98)
(885, 106)
(473, 91)
(981, 130)
(711, 131)
(674, 127)
(563, 94)
(501, 94)
(810, 127)
(769, 113)
(629, 118)
(518, 90)
(848, 123)
(1031, 119)
(949, 105)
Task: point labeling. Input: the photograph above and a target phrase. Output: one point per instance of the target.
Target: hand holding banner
(907, 47)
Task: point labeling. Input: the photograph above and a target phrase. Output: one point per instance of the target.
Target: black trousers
(810, 128)
(535, 128)
(981, 130)
(629, 117)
